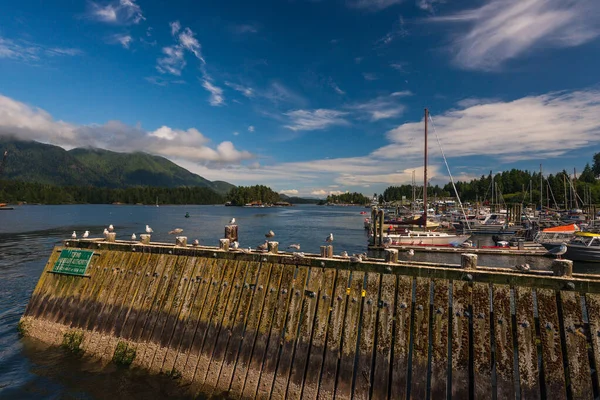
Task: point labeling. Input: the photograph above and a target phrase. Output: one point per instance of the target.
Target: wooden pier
(282, 326)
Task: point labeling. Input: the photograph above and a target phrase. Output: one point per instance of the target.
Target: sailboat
(424, 238)
(156, 201)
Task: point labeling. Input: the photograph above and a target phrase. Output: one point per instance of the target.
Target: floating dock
(282, 326)
(503, 251)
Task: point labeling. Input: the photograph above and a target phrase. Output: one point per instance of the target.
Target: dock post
(273, 247)
(391, 255)
(231, 233)
(562, 267)
(380, 227)
(111, 237)
(521, 245)
(145, 238)
(224, 244)
(329, 251)
(468, 261)
(324, 251)
(181, 241)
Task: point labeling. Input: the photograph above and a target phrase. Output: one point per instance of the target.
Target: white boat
(422, 238)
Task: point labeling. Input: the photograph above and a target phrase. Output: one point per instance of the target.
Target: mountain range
(32, 161)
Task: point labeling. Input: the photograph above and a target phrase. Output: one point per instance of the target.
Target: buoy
(187, 214)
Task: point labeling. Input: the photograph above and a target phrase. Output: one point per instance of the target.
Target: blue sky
(310, 97)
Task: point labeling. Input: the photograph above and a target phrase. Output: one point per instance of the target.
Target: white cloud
(160, 81)
(29, 123)
(382, 107)
(26, 51)
(251, 128)
(289, 192)
(174, 60)
(312, 120)
(370, 76)
(335, 87)
(501, 30)
(400, 66)
(372, 5)
(125, 12)
(175, 27)
(246, 91)
(236, 133)
(396, 32)
(244, 28)
(524, 129)
(216, 93)
(428, 5)
(122, 39)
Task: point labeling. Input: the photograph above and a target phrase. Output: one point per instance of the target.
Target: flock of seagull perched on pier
(264, 247)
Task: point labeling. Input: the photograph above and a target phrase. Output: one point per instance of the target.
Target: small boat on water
(424, 238)
(556, 235)
(4, 206)
(585, 246)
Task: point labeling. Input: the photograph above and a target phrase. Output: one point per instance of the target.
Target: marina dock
(288, 326)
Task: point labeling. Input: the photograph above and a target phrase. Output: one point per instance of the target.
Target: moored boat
(423, 238)
(585, 246)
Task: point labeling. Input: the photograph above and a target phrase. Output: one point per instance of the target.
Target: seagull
(232, 221)
(263, 247)
(105, 233)
(294, 246)
(270, 234)
(148, 229)
(467, 244)
(176, 231)
(329, 238)
(235, 245)
(298, 254)
(133, 237)
(387, 241)
(410, 252)
(86, 234)
(111, 228)
(558, 251)
(196, 242)
(356, 258)
(344, 254)
(74, 235)
(503, 243)
(522, 267)
(248, 250)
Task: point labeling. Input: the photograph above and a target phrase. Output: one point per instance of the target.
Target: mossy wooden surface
(273, 326)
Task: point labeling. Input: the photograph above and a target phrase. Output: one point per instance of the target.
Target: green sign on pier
(73, 262)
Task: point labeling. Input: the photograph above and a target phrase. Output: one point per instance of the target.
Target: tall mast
(425, 173)
(541, 189)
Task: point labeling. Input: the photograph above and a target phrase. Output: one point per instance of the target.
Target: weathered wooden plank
(439, 345)
(44, 284)
(220, 321)
(257, 277)
(97, 320)
(206, 295)
(576, 345)
(366, 342)
(145, 349)
(350, 336)
(248, 336)
(316, 357)
(420, 339)
(138, 273)
(334, 335)
(527, 349)
(383, 349)
(142, 299)
(461, 299)
(73, 302)
(290, 334)
(165, 324)
(503, 337)
(592, 303)
(115, 306)
(482, 345)
(311, 298)
(552, 357)
(189, 312)
(402, 332)
(264, 382)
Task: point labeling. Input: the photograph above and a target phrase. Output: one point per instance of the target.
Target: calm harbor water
(30, 370)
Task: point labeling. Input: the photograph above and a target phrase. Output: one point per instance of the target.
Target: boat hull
(582, 253)
(423, 240)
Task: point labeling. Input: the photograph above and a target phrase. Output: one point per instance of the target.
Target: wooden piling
(111, 237)
(562, 267)
(468, 261)
(231, 233)
(273, 247)
(181, 241)
(145, 238)
(391, 255)
(224, 244)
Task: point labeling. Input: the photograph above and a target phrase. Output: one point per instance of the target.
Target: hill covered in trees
(516, 186)
(35, 162)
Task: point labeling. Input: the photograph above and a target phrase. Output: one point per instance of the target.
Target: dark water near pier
(30, 370)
